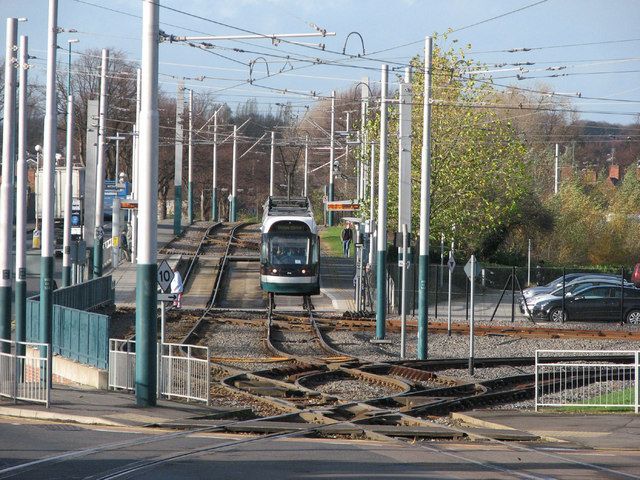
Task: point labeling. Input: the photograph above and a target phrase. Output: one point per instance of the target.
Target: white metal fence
(184, 370)
(563, 381)
(122, 364)
(25, 371)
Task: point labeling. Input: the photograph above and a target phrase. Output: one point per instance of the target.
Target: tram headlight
(275, 270)
(303, 271)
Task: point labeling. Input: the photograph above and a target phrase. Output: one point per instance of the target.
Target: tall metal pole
(146, 270)
(403, 299)
(48, 168)
(272, 164)
(68, 193)
(306, 163)
(372, 204)
(363, 137)
(21, 200)
(136, 174)
(555, 170)
(177, 176)
(425, 207)
(214, 183)
(472, 279)
(68, 198)
(232, 206)
(6, 187)
(100, 168)
(451, 258)
(381, 276)
(190, 160)
(529, 264)
(332, 155)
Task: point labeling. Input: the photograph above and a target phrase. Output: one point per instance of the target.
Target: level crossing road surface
(25, 442)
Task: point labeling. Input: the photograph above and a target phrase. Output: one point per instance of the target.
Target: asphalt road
(27, 441)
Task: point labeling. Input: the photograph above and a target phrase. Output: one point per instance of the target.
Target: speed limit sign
(165, 275)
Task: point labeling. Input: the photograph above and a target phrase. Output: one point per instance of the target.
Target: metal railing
(122, 364)
(564, 382)
(183, 374)
(184, 370)
(25, 371)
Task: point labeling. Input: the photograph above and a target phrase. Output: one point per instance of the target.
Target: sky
(594, 44)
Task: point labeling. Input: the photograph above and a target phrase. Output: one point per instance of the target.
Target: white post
(404, 152)
(177, 175)
(136, 160)
(21, 198)
(529, 264)
(555, 182)
(332, 155)
(146, 273)
(100, 167)
(451, 257)
(6, 187)
(441, 274)
(472, 313)
(364, 92)
(306, 163)
(372, 200)
(190, 162)
(214, 183)
(403, 298)
(232, 206)
(68, 199)
(48, 170)
(272, 158)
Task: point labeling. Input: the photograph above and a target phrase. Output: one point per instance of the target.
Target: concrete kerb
(55, 416)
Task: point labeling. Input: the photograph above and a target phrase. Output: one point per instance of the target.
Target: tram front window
(288, 250)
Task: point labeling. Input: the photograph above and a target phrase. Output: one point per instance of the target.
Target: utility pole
(147, 270)
(346, 141)
(331, 156)
(555, 181)
(272, 164)
(68, 194)
(136, 171)
(177, 176)
(117, 138)
(214, 185)
(21, 200)
(404, 170)
(68, 198)
(48, 168)
(6, 187)
(362, 170)
(381, 277)
(372, 203)
(100, 168)
(190, 170)
(425, 206)
(232, 198)
(306, 163)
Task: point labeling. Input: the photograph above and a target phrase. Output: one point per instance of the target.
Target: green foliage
(478, 173)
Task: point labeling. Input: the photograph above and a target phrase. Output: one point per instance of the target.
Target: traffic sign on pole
(167, 297)
(477, 268)
(165, 275)
(451, 263)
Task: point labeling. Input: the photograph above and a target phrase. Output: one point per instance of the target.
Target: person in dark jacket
(346, 237)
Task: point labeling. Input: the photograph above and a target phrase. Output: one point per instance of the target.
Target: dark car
(600, 302)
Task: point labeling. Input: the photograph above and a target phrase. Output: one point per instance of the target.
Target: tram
(290, 253)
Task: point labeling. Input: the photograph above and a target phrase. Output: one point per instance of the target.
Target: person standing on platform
(177, 287)
(346, 237)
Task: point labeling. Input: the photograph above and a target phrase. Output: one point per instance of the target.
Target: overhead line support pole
(146, 269)
(177, 175)
(100, 167)
(381, 277)
(232, 200)
(332, 156)
(425, 206)
(190, 169)
(6, 187)
(272, 161)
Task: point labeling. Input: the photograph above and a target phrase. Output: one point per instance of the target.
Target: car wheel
(633, 317)
(556, 315)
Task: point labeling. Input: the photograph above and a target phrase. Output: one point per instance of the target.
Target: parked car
(569, 288)
(569, 277)
(595, 302)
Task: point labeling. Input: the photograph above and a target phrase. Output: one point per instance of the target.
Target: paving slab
(102, 407)
(598, 431)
